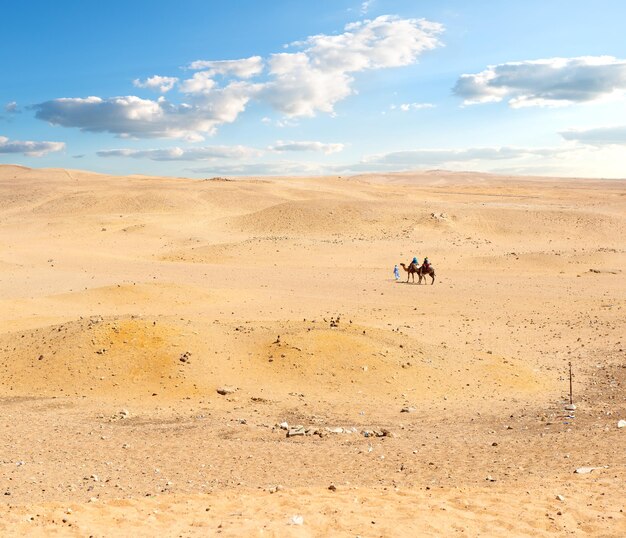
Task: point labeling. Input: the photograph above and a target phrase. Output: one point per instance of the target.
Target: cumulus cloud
(281, 146)
(131, 116)
(11, 107)
(200, 82)
(244, 68)
(28, 147)
(184, 154)
(598, 136)
(547, 82)
(317, 77)
(298, 84)
(157, 82)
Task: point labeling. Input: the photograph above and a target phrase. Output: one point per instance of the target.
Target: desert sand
(429, 410)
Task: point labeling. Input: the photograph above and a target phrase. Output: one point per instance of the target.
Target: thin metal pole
(571, 399)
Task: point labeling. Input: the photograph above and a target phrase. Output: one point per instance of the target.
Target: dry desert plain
(429, 410)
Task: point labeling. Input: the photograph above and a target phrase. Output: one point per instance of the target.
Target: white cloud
(597, 136)
(319, 76)
(28, 147)
(201, 82)
(11, 107)
(365, 6)
(280, 168)
(131, 116)
(281, 146)
(406, 107)
(297, 84)
(163, 84)
(185, 154)
(439, 158)
(244, 68)
(547, 82)
(299, 89)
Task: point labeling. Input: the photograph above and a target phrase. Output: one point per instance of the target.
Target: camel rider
(426, 264)
(415, 262)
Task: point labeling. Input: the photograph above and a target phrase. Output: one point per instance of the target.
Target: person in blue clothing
(396, 272)
(415, 262)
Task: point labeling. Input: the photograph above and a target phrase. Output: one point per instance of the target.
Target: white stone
(296, 520)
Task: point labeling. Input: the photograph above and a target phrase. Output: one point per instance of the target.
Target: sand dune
(126, 302)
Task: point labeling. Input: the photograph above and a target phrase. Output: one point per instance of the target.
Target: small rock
(124, 413)
(224, 391)
(570, 407)
(407, 410)
(283, 426)
(586, 470)
(296, 520)
(332, 487)
(560, 498)
(296, 430)
(490, 478)
(334, 430)
(621, 424)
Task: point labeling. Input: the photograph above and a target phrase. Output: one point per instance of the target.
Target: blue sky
(203, 88)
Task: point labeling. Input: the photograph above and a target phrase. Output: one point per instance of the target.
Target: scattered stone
(560, 498)
(586, 470)
(185, 357)
(407, 410)
(570, 407)
(490, 478)
(296, 430)
(124, 413)
(332, 487)
(334, 430)
(283, 426)
(225, 391)
(621, 424)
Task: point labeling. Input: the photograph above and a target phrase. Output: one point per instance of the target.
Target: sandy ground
(429, 410)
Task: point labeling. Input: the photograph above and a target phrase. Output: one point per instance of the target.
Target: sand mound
(362, 365)
(308, 217)
(123, 357)
(139, 357)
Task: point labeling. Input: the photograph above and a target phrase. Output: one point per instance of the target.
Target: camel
(420, 271)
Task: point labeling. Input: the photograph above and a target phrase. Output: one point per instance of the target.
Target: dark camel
(422, 271)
